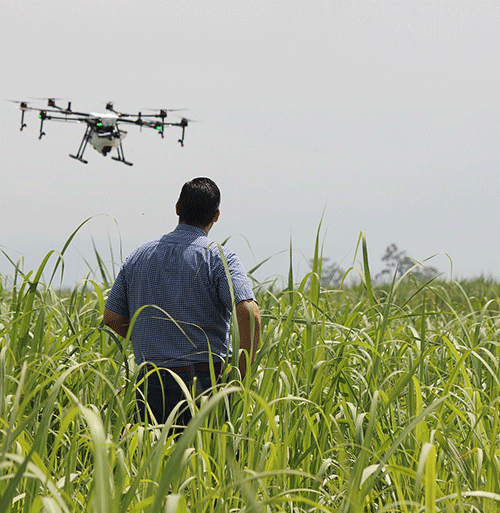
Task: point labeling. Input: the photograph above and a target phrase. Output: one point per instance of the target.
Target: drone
(103, 130)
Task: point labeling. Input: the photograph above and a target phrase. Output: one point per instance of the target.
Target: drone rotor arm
(134, 120)
(65, 119)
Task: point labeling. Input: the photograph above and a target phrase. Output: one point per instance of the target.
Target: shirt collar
(190, 228)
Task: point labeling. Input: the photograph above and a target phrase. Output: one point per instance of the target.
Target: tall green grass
(370, 398)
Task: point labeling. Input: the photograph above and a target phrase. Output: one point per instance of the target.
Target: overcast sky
(380, 115)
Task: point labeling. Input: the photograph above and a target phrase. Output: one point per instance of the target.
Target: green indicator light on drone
(99, 124)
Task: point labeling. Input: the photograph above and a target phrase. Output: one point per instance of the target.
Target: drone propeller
(185, 121)
(157, 109)
(111, 107)
(189, 120)
(161, 113)
(51, 102)
(22, 103)
(49, 99)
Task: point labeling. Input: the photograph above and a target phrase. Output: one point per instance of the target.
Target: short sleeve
(239, 286)
(117, 300)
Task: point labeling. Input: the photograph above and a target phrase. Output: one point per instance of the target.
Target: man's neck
(206, 229)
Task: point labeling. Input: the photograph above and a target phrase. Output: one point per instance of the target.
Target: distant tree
(399, 262)
(331, 273)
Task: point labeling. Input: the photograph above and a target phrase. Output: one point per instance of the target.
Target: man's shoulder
(153, 243)
(223, 256)
(216, 248)
(143, 248)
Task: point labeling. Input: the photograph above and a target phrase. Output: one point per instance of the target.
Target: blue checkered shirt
(183, 276)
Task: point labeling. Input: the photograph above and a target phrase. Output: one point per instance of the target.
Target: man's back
(184, 276)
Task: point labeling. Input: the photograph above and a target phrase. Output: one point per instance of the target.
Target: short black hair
(198, 201)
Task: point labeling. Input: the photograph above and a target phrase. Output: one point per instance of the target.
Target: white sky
(384, 114)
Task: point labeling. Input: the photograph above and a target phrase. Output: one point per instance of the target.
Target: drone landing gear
(23, 124)
(183, 124)
(121, 156)
(79, 158)
(118, 159)
(83, 145)
(42, 116)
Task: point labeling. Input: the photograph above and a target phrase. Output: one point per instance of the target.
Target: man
(180, 282)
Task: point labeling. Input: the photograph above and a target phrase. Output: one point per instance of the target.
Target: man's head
(199, 202)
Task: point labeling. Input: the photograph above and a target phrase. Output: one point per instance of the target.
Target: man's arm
(116, 322)
(248, 317)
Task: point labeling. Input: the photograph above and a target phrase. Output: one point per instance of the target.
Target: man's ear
(177, 208)
(216, 216)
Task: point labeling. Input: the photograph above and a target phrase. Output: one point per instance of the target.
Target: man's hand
(116, 322)
(248, 317)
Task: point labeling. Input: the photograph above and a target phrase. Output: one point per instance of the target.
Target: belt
(194, 367)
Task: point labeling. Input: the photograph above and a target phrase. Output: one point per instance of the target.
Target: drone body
(103, 131)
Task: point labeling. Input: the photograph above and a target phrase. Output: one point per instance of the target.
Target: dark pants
(162, 393)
